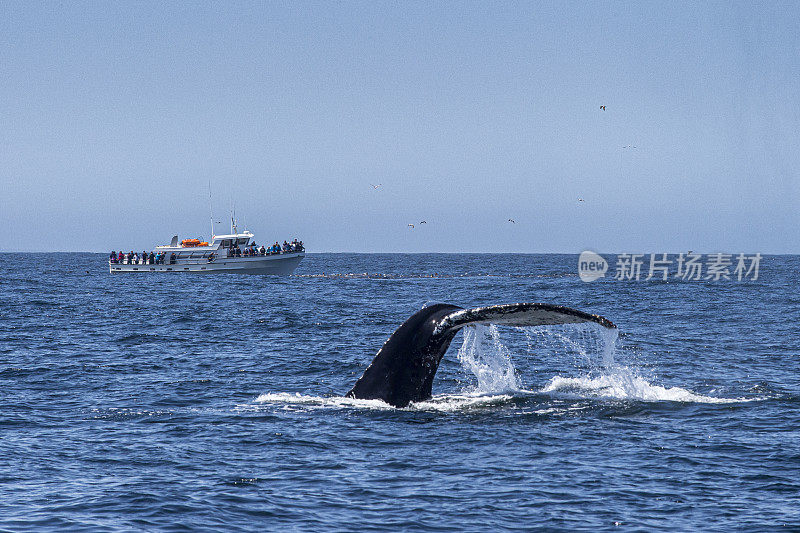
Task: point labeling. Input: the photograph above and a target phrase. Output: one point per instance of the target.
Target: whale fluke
(403, 369)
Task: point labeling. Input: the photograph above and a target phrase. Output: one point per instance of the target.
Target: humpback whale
(403, 369)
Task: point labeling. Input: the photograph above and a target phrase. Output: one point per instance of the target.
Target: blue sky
(115, 116)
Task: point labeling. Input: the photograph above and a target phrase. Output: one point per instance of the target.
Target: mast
(211, 210)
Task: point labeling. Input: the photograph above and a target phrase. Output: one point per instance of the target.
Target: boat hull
(275, 265)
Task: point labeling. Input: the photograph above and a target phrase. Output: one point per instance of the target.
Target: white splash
(443, 402)
(297, 399)
(586, 351)
(488, 360)
(583, 342)
(592, 350)
(623, 384)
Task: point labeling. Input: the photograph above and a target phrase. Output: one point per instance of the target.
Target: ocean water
(173, 402)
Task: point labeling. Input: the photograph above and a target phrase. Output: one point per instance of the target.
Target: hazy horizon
(117, 117)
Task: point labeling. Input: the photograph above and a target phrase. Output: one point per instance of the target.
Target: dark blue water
(165, 402)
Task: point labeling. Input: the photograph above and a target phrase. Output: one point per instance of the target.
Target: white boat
(218, 256)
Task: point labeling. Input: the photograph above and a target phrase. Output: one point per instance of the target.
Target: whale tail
(403, 369)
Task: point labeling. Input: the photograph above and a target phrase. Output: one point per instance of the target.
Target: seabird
(603, 107)
(511, 220)
(376, 186)
(411, 226)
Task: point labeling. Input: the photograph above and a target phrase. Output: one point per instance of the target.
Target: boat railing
(200, 260)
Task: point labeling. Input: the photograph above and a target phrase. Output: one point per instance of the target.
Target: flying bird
(423, 222)
(512, 220)
(411, 226)
(603, 107)
(376, 186)
(580, 199)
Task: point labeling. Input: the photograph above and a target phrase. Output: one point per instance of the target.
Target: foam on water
(443, 402)
(625, 385)
(297, 399)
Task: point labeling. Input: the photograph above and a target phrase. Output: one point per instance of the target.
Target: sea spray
(484, 355)
(488, 359)
(591, 348)
(584, 350)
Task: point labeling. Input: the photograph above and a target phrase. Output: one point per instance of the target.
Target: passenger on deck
(172, 258)
(262, 251)
(144, 257)
(113, 257)
(152, 258)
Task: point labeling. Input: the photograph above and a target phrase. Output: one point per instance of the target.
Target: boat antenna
(211, 209)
